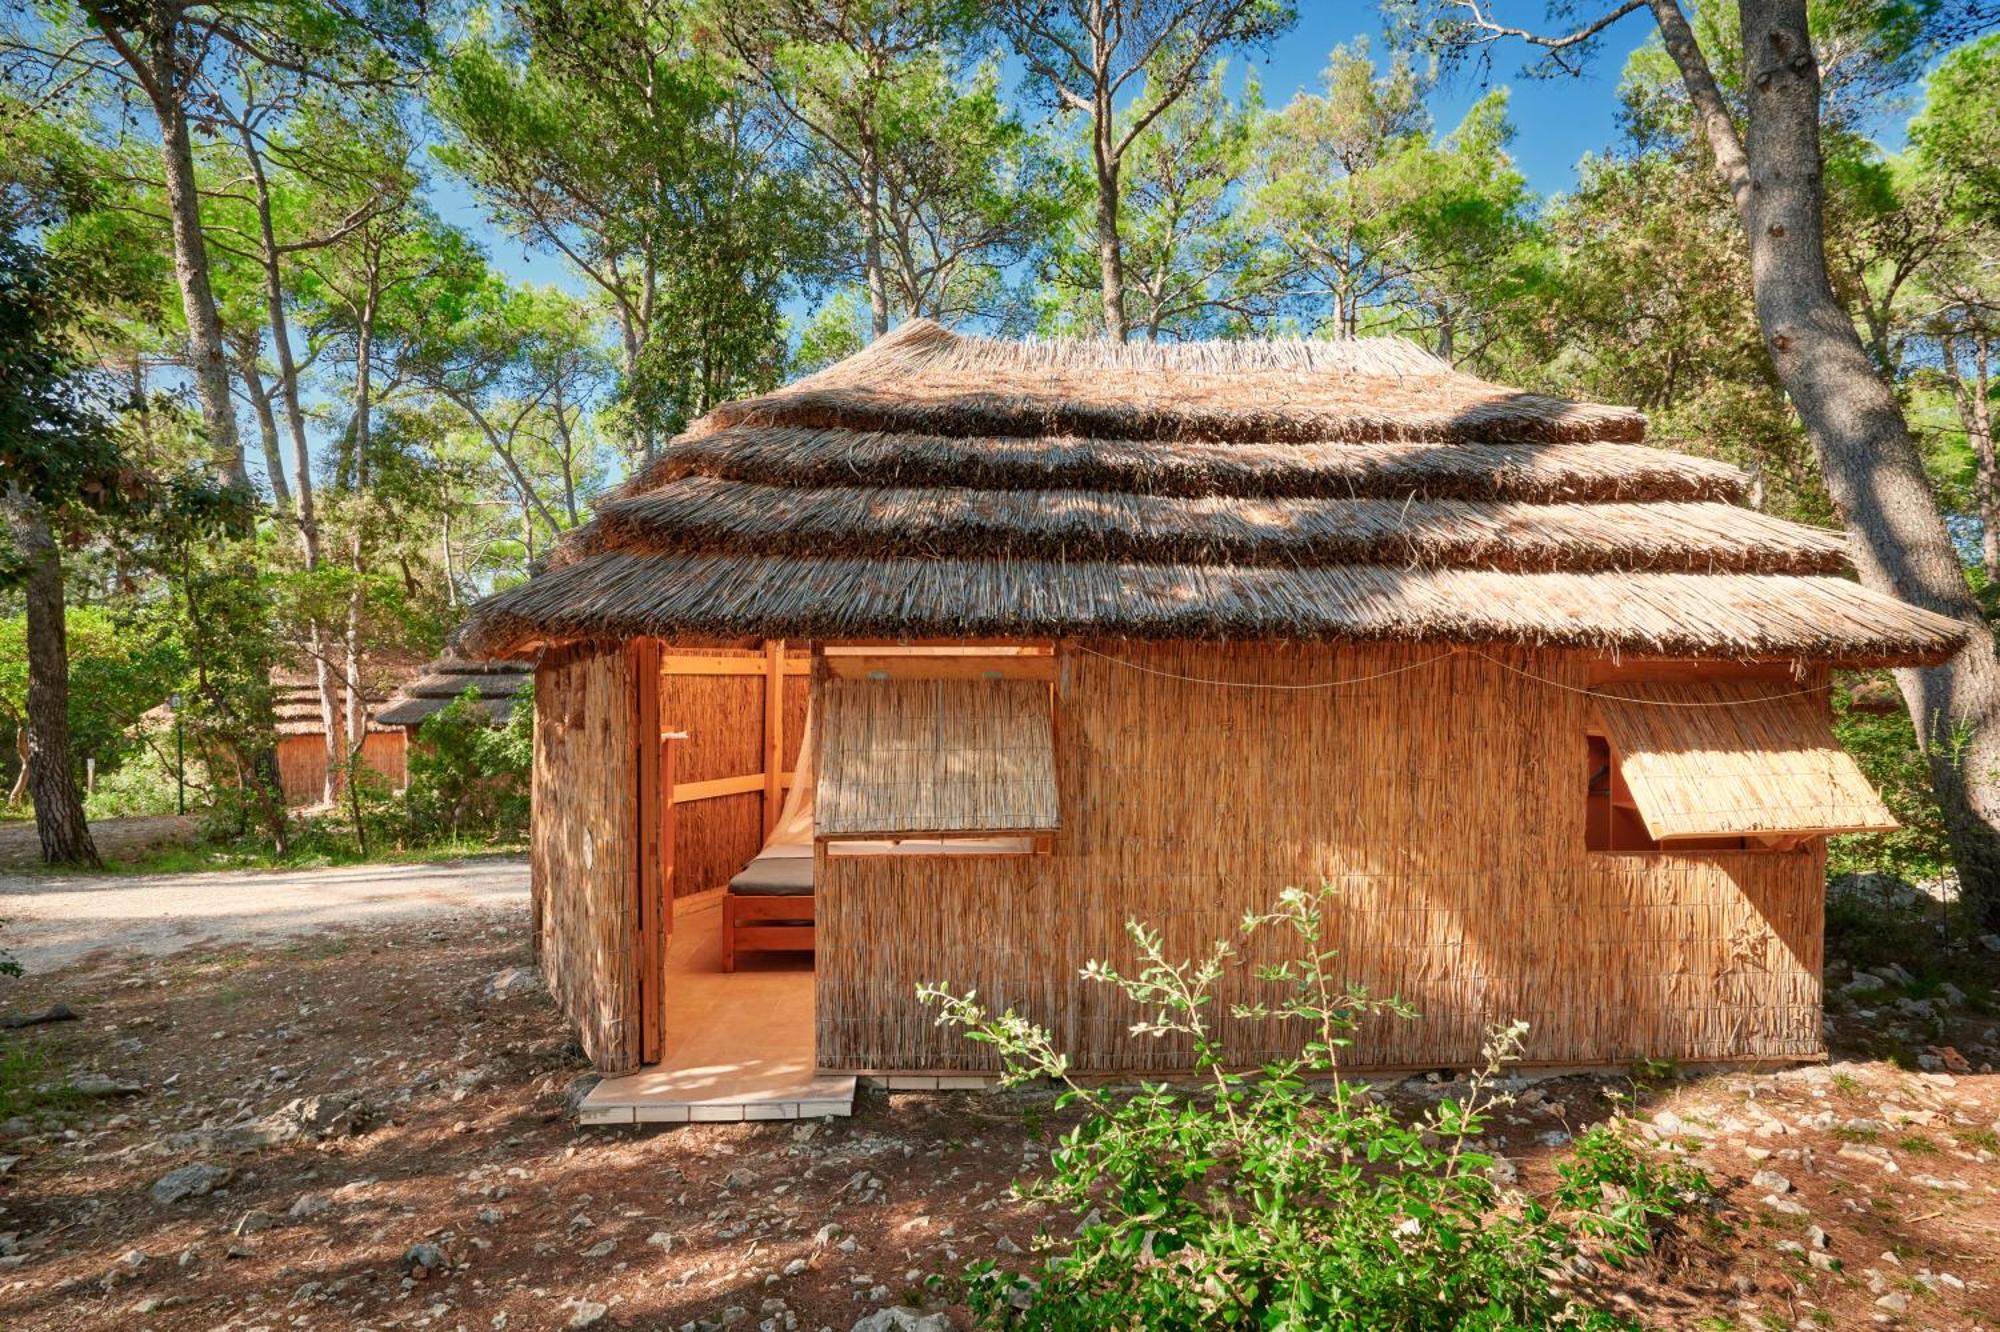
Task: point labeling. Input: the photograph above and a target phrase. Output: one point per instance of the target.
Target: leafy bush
(144, 783)
(468, 776)
(1885, 747)
(1294, 1198)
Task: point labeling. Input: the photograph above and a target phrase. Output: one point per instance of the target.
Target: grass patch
(1978, 1139)
(27, 1085)
(206, 859)
(1917, 1145)
(321, 949)
(1845, 1134)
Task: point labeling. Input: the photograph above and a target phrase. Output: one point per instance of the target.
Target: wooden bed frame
(747, 924)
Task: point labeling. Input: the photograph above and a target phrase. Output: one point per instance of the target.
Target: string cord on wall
(1432, 661)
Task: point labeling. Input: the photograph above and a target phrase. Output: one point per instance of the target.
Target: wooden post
(653, 809)
(774, 732)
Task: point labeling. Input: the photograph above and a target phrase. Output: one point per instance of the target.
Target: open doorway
(735, 1024)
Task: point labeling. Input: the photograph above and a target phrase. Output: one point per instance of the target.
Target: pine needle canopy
(944, 486)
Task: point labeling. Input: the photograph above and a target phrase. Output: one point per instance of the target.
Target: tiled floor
(738, 1046)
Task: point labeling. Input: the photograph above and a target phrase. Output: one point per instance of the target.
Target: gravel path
(52, 920)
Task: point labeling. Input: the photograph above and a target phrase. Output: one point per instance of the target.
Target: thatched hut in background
(443, 681)
(1549, 706)
(301, 730)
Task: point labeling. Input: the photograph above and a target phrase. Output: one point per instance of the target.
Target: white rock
(510, 983)
(903, 1320)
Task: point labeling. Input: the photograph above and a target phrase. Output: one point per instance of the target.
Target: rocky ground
(362, 1130)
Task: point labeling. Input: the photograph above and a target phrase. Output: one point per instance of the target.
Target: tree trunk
(871, 261)
(19, 789)
(1873, 470)
(59, 820)
(1110, 253)
(357, 715)
(444, 542)
(1975, 413)
(267, 424)
(295, 428)
(205, 354)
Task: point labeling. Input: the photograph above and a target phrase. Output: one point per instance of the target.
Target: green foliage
(144, 782)
(1196, 263)
(58, 449)
(468, 776)
(1294, 1198)
(1377, 224)
(1885, 747)
(117, 671)
(940, 188)
(1954, 135)
(599, 130)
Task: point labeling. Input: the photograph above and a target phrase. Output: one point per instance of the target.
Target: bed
(769, 905)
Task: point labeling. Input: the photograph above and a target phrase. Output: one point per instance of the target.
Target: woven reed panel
(302, 767)
(1447, 804)
(581, 847)
(302, 764)
(715, 838)
(935, 756)
(723, 716)
(1736, 758)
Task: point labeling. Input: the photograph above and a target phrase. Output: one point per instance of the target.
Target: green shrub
(469, 777)
(1293, 1198)
(1885, 747)
(144, 784)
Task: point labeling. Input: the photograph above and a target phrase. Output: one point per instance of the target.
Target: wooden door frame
(653, 840)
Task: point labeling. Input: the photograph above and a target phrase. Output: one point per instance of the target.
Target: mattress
(777, 872)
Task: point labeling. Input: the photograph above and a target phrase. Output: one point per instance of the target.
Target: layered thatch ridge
(701, 514)
(936, 486)
(447, 679)
(924, 378)
(803, 456)
(295, 705)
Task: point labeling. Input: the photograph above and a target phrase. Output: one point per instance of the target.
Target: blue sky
(1557, 121)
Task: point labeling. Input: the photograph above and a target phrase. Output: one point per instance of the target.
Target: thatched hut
(495, 684)
(301, 731)
(1548, 705)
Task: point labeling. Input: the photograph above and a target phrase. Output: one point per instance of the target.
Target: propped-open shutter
(1738, 758)
(936, 757)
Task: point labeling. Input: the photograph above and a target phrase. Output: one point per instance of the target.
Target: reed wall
(723, 716)
(1447, 803)
(302, 763)
(581, 865)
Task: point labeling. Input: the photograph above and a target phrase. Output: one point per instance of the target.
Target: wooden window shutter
(936, 757)
(1735, 758)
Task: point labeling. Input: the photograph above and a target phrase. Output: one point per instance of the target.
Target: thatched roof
(937, 486)
(447, 678)
(295, 704)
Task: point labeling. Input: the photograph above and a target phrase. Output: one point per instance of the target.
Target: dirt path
(365, 1136)
(116, 839)
(54, 920)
